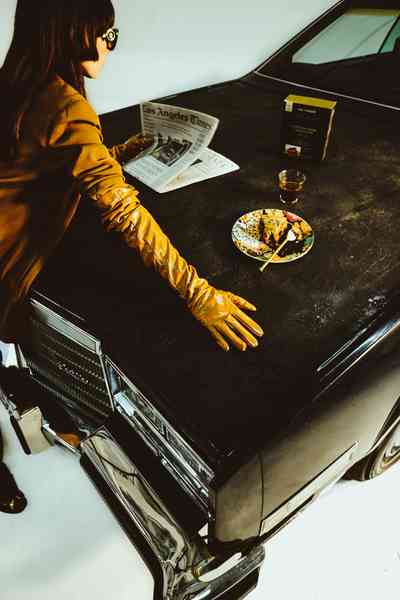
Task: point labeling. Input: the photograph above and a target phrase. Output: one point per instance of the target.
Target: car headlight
(174, 452)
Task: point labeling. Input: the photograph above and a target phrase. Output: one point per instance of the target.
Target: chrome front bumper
(187, 569)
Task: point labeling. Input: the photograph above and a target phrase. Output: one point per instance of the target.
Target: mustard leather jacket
(61, 156)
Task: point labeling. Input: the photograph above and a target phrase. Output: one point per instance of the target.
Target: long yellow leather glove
(219, 311)
(132, 148)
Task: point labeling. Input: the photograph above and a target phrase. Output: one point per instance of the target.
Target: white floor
(67, 545)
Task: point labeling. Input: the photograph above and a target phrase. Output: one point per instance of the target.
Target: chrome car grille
(67, 361)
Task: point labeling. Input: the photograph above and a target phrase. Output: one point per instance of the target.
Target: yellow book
(307, 124)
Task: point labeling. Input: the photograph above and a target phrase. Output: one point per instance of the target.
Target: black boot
(12, 500)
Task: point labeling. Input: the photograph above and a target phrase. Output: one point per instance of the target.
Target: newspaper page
(208, 164)
(180, 134)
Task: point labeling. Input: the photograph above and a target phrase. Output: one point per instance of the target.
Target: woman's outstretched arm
(77, 137)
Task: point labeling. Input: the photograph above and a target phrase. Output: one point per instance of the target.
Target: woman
(51, 151)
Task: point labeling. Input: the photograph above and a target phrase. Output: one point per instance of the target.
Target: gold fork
(291, 236)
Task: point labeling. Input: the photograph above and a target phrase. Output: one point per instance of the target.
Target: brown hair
(51, 37)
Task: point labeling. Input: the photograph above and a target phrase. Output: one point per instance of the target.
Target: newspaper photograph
(181, 136)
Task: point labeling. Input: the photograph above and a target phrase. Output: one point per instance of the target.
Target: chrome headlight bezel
(175, 454)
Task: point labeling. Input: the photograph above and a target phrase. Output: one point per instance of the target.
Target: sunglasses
(111, 37)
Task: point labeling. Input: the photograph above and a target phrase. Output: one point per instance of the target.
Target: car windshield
(356, 53)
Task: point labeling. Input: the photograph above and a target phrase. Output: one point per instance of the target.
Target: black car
(204, 455)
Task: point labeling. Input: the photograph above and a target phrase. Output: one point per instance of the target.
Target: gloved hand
(131, 148)
(221, 312)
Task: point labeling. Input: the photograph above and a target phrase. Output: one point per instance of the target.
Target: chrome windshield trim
(336, 94)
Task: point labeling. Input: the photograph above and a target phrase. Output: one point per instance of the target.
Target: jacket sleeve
(77, 138)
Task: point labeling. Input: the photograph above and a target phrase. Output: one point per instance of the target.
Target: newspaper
(179, 155)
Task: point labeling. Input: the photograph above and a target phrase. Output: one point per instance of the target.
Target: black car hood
(227, 404)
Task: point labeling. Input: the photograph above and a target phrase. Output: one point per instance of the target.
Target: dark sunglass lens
(111, 37)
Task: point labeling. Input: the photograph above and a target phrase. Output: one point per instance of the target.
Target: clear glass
(291, 185)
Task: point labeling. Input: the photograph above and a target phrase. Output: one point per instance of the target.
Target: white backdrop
(179, 45)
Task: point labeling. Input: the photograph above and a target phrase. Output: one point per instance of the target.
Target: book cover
(307, 124)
